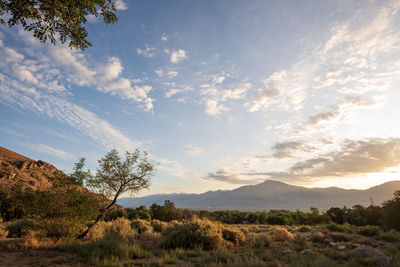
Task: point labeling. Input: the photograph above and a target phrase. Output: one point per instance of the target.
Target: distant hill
(272, 195)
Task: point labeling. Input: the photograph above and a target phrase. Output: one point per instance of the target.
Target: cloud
(172, 74)
(347, 105)
(192, 150)
(146, 51)
(159, 72)
(178, 55)
(289, 149)
(172, 92)
(51, 151)
(164, 37)
(223, 175)
(238, 93)
(113, 69)
(120, 5)
(64, 111)
(355, 157)
(218, 79)
(214, 108)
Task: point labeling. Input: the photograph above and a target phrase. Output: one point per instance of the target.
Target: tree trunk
(82, 235)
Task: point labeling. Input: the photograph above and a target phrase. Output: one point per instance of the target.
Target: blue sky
(220, 93)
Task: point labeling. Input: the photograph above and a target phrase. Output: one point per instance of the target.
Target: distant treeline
(386, 216)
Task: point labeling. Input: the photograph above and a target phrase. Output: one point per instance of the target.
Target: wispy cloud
(51, 151)
(192, 150)
(147, 51)
(223, 175)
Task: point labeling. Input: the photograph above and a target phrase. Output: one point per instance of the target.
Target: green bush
(390, 236)
(334, 227)
(317, 237)
(141, 225)
(368, 230)
(199, 233)
(233, 235)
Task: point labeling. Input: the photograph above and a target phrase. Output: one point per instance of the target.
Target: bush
(233, 235)
(279, 233)
(317, 237)
(368, 230)
(258, 240)
(305, 229)
(390, 236)
(120, 227)
(3, 231)
(159, 226)
(141, 225)
(114, 214)
(199, 233)
(109, 250)
(300, 242)
(17, 228)
(334, 227)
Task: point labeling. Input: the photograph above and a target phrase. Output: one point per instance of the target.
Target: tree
(116, 176)
(391, 212)
(62, 18)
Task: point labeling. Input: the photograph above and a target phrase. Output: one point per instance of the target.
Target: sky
(220, 93)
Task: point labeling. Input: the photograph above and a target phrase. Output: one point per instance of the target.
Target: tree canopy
(64, 19)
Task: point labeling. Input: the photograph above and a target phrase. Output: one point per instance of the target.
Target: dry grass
(3, 231)
(261, 240)
(280, 234)
(120, 227)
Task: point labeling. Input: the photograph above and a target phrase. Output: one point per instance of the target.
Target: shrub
(233, 235)
(317, 237)
(300, 242)
(334, 227)
(390, 236)
(113, 214)
(3, 231)
(258, 240)
(141, 225)
(31, 239)
(368, 230)
(17, 228)
(279, 233)
(159, 226)
(199, 233)
(120, 227)
(305, 229)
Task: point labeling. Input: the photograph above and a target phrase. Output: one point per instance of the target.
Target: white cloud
(218, 79)
(238, 93)
(146, 51)
(113, 69)
(172, 74)
(51, 151)
(172, 92)
(178, 56)
(164, 37)
(192, 150)
(214, 108)
(120, 5)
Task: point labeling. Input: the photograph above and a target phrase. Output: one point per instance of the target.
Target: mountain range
(272, 195)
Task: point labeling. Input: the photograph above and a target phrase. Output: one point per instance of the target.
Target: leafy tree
(391, 212)
(116, 176)
(49, 19)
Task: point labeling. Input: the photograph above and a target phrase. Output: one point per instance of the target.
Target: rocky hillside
(15, 168)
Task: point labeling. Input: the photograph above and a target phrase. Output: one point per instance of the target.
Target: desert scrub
(334, 227)
(110, 250)
(279, 233)
(204, 234)
(304, 229)
(390, 236)
(18, 227)
(261, 240)
(368, 230)
(120, 227)
(141, 225)
(159, 226)
(235, 236)
(317, 237)
(3, 229)
(299, 242)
